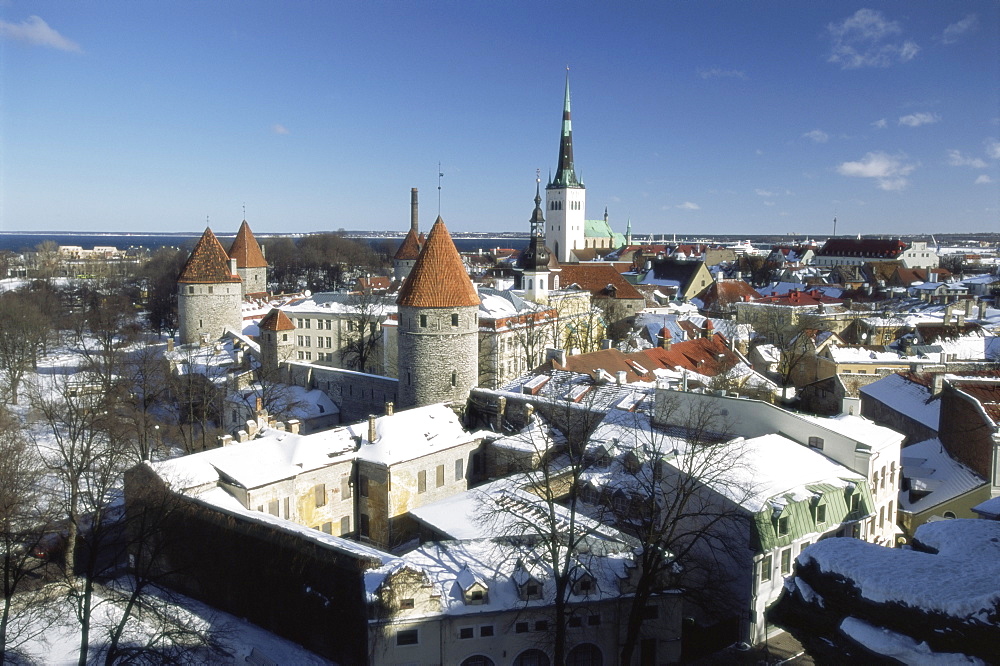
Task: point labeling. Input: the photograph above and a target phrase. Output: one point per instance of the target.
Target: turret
(438, 326)
(537, 265)
(209, 292)
(250, 263)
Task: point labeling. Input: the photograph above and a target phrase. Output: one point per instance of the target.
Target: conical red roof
(208, 263)
(410, 248)
(276, 320)
(439, 278)
(246, 250)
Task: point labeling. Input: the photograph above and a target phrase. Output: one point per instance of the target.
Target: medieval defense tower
(409, 249)
(565, 196)
(209, 292)
(277, 343)
(250, 263)
(438, 326)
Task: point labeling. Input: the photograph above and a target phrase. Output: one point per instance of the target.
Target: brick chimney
(371, 428)
(390, 408)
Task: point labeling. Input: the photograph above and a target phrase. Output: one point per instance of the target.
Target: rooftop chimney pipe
(414, 227)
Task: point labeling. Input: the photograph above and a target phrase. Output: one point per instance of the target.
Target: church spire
(537, 217)
(565, 172)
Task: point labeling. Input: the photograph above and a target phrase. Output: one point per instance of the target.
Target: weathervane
(440, 175)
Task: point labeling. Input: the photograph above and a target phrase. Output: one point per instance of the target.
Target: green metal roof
(801, 513)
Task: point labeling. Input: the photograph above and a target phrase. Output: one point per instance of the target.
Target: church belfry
(565, 195)
(537, 264)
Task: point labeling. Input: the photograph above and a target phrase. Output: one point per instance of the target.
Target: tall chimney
(389, 408)
(371, 428)
(414, 226)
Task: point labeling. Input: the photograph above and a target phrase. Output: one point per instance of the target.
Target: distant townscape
(588, 448)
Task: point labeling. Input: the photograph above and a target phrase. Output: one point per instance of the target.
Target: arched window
(478, 660)
(585, 654)
(532, 657)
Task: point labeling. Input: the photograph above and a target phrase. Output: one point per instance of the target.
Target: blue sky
(689, 117)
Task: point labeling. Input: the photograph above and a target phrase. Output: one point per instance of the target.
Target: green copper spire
(565, 172)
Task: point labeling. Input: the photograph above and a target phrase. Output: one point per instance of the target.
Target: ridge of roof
(246, 250)
(276, 320)
(208, 263)
(438, 278)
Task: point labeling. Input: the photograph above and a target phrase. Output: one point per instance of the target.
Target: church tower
(438, 338)
(250, 263)
(537, 267)
(209, 292)
(565, 196)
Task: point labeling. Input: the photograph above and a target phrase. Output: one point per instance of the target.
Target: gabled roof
(409, 250)
(611, 361)
(276, 320)
(245, 249)
(439, 278)
(706, 356)
(208, 263)
(595, 278)
(876, 248)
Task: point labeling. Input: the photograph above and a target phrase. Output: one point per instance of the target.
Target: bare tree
(543, 505)
(24, 329)
(81, 454)
(660, 484)
(361, 349)
(24, 517)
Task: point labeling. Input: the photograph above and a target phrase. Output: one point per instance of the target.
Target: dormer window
(783, 526)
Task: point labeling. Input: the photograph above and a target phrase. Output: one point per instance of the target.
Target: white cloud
(279, 129)
(983, 180)
(880, 124)
(956, 158)
(918, 119)
(868, 39)
(766, 193)
(768, 203)
(717, 73)
(955, 31)
(819, 136)
(993, 149)
(888, 171)
(687, 205)
(37, 32)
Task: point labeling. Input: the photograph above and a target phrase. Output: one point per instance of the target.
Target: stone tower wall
(438, 362)
(276, 347)
(254, 280)
(208, 308)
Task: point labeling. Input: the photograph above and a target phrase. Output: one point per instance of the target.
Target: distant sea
(17, 242)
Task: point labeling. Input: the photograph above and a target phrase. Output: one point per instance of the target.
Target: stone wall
(438, 360)
(357, 394)
(208, 309)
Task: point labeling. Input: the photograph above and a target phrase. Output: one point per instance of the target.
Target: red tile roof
(246, 250)
(706, 356)
(439, 278)
(409, 249)
(611, 361)
(595, 278)
(208, 263)
(276, 320)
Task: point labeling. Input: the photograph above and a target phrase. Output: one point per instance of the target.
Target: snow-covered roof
(290, 400)
(959, 580)
(274, 456)
(772, 469)
(412, 433)
(910, 398)
(495, 562)
(930, 469)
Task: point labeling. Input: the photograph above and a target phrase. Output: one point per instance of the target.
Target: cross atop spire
(565, 172)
